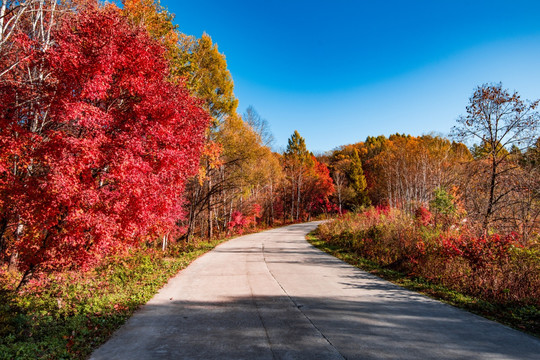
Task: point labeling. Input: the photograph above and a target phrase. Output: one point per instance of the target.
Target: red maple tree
(95, 155)
(319, 187)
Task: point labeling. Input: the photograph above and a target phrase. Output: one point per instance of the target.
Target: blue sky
(338, 71)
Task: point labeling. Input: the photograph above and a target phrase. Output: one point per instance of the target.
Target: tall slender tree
(296, 159)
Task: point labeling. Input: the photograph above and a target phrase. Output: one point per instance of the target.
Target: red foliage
(423, 216)
(256, 211)
(495, 268)
(383, 209)
(238, 222)
(319, 188)
(479, 252)
(106, 161)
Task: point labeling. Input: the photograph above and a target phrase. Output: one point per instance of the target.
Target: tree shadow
(280, 327)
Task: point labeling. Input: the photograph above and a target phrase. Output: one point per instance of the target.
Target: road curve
(271, 295)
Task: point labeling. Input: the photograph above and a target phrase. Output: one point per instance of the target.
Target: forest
(119, 134)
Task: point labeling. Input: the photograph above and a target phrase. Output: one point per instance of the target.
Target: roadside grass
(76, 312)
(523, 318)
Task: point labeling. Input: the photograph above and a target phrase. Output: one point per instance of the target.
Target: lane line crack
(299, 306)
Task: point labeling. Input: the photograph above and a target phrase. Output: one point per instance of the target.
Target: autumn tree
(25, 33)
(318, 186)
(197, 61)
(357, 181)
(33, 19)
(159, 23)
(208, 78)
(151, 15)
(340, 165)
(498, 119)
(105, 159)
(198, 64)
(374, 145)
(249, 171)
(409, 169)
(243, 173)
(348, 175)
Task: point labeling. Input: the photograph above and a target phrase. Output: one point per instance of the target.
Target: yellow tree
(349, 181)
(209, 78)
(249, 171)
(409, 169)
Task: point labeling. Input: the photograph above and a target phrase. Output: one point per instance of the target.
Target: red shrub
(479, 252)
(239, 222)
(423, 216)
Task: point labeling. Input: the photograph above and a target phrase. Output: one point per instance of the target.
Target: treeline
(117, 130)
(493, 187)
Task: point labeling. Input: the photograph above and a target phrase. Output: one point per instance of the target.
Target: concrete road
(273, 296)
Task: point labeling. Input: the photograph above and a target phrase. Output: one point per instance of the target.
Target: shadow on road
(243, 328)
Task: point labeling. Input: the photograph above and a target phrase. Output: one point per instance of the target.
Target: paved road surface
(273, 296)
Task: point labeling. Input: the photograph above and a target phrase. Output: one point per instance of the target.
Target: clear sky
(338, 71)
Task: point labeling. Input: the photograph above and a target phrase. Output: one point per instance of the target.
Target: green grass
(76, 313)
(524, 318)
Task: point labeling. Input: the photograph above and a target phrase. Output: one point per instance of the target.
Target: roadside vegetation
(495, 276)
(67, 315)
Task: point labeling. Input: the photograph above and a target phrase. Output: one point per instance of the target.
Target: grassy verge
(75, 313)
(524, 318)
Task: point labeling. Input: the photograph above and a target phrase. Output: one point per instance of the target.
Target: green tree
(296, 148)
(297, 160)
(532, 155)
(443, 206)
(442, 202)
(484, 150)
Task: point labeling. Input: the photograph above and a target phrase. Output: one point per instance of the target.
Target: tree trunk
(489, 209)
(26, 276)
(299, 197)
(13, 262)
(3, 242)
(165, 242)
(210, 229)
(271, 203)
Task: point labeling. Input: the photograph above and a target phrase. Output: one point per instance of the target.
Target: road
(271, 295)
